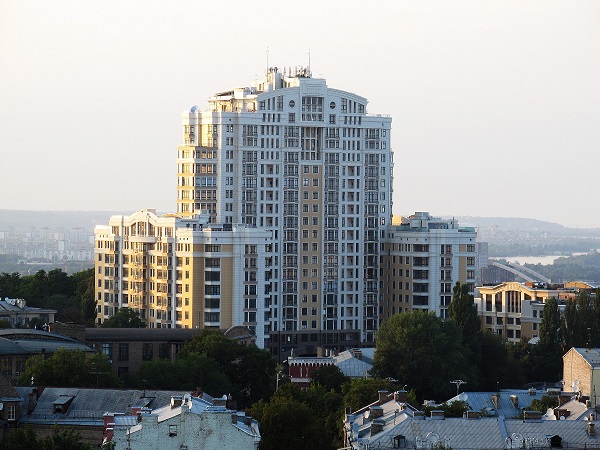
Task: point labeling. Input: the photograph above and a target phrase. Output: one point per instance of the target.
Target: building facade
(189, 423)
(291, 155)
(423, 258)
(514, 310)
(182, 272)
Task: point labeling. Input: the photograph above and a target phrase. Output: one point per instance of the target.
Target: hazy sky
(495, 104)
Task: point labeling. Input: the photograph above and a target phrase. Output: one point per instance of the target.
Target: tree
(547, 354)
(293, 418)
(418, 342)
(186, 373)
(72, 368)
(455, 409)
(25, 438)
(84, 290)
(330, 377)
(250, 370)
(124, 318)
(464, 312)
(543, 404)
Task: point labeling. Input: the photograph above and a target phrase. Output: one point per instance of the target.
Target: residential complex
(423, 257)
(291, 155)
(182, 272)
(283, 226)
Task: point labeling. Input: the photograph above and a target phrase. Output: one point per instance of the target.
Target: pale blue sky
(495, 104)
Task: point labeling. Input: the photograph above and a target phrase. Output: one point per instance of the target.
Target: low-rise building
(128, 348)
(581, 372)
(18, 314)
(188, 423)
(82, 410)
(18, 344)
(354, 363)
(392, 423)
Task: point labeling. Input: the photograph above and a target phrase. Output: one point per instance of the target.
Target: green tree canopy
(124, 318)
(249, 370)
(72, 368)
(464, 312)
(330, 377)
(415, 343)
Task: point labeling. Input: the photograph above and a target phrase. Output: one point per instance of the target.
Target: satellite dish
(1, 406)
(367, 414)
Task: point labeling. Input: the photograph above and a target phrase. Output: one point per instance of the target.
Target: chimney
(375, 412)
(358, 354)
(383, 396)
(591, 429)
(532, 416)
(437, 414)
(496, 400)
(220, 402)
(176, 401)
(562, 399)
(377, 426)
(400, 396)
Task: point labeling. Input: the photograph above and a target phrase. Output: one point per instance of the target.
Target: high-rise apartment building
(183, 272)
(291, 155)
(423, 257)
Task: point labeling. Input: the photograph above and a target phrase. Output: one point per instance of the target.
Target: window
(107, 349)
(172, 430)
(147, 351)
(123, 372)
(11, 412)
(123, 352)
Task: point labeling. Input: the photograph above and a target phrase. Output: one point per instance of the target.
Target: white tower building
(292, 155)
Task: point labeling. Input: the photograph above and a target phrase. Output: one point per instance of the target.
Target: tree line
(71, 295)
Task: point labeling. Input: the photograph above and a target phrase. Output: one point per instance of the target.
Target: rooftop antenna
(267, 59)
(458, 383)
(309, 62)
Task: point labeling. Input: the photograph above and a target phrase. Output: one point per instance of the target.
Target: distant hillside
(516, 224)
(54, 219)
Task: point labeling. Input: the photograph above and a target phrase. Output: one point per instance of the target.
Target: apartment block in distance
(423, 258)
(305, 161)
(514, 310)
(182, 272)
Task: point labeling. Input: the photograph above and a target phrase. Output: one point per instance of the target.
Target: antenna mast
(267, 59)
(458, 383)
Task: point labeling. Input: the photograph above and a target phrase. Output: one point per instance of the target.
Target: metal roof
(89, 405)
(482, 401)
